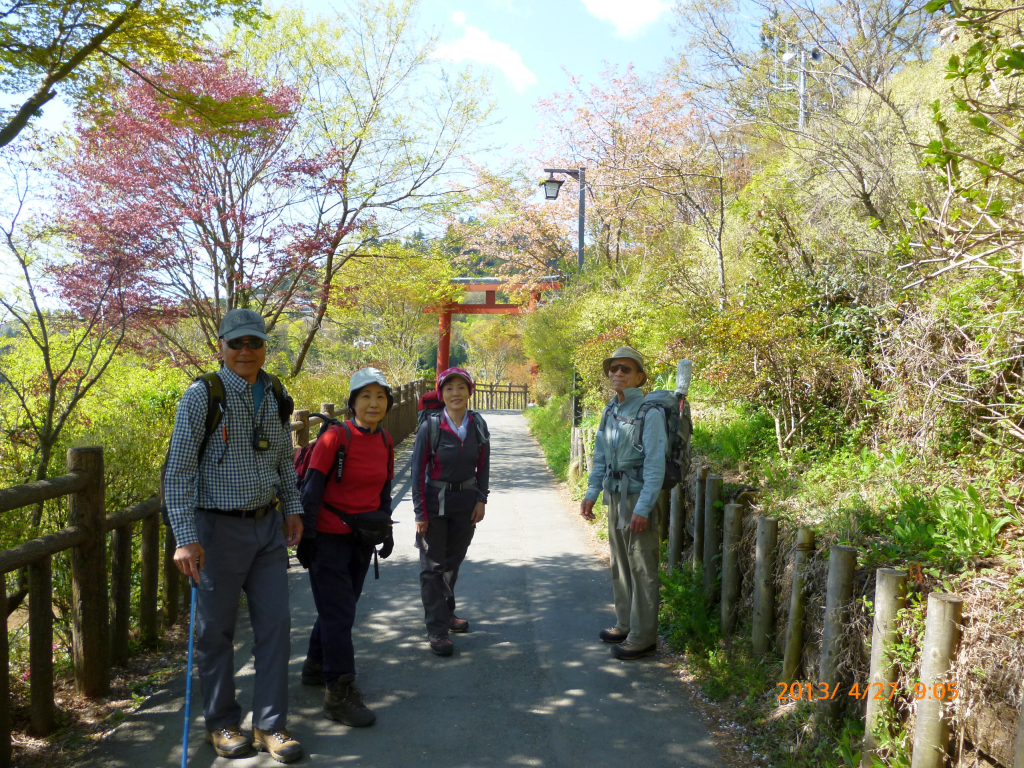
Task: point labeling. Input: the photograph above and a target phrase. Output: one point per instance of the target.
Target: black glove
(306, 552)
(386, 548)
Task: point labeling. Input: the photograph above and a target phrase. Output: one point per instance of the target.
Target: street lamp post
(551, 186)
(802, 80)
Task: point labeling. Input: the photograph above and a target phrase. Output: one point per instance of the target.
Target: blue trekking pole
(188, 675)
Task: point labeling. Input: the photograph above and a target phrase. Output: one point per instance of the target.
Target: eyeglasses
(617, 368)
(250, 342)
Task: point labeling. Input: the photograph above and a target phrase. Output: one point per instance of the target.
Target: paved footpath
(529, 685)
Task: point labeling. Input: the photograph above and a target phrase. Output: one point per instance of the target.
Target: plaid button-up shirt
(233, 475)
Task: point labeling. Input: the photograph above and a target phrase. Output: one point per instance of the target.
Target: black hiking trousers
(336, 578)
(442, 550)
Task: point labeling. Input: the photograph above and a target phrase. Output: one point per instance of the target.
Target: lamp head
(551, 186)
(788, 57)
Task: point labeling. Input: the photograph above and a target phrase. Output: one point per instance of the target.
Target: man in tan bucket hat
(629, 466)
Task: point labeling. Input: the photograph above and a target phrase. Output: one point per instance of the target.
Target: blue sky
(527, 46)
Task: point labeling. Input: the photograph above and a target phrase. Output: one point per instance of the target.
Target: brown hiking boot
(344, 703)
(279, 743)
(228, 742)
(613, 635)
(458, 625)
(630, 651)
(441, 645)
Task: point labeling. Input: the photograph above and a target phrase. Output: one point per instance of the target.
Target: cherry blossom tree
(215, 215)
(620, 130)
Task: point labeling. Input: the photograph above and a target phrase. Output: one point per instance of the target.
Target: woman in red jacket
(336, 556)
(450, 474)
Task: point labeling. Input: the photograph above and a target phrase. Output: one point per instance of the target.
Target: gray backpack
(678, 427)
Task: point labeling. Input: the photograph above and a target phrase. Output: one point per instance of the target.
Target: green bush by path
(551, 424)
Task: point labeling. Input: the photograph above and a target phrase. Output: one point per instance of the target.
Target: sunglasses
(251, 343)
(617, 368)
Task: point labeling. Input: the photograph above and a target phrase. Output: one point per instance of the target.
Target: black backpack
(434, 418)
(216, 407)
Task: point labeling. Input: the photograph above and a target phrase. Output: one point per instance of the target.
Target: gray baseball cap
(237, 323)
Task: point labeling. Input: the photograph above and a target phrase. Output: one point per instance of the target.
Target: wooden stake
(121, 593)
(732, 531)
(797, 602)
(150, 555)
(842, 563)
(764, 584)
(941, 638)
(890, 598)
(676, 527)
(89, 603)
(712, 535)
(40, 646)
(698, 515)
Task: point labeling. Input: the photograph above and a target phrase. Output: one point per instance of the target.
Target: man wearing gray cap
(229, 477)
(631, 479)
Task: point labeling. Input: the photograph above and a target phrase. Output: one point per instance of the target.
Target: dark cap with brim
(243, 322)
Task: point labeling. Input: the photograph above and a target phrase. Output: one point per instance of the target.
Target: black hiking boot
(344, 703)
(312, 672)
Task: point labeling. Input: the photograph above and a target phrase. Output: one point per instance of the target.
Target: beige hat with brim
(629, 352)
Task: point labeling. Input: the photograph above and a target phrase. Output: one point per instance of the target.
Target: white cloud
(477, 45)
(628, 18)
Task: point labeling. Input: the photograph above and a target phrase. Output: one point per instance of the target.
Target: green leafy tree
(50, 45)
(385, 301)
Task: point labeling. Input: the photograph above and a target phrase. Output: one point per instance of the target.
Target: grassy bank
(949, 521)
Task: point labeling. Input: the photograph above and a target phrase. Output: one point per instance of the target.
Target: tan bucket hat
(629, 352)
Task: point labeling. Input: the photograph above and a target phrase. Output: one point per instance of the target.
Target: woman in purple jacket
(450, 472)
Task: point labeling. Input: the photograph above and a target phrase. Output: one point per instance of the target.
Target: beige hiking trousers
(634, 563)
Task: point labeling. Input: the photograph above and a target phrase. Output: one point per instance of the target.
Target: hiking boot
(630, 651)
(441, 644)
(458, 625)
(279, 743)
(344, 703)
(228, 741)
(613, 635)
(312, 672)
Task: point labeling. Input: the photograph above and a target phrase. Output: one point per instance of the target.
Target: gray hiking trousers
(634, 564)
(250, 556)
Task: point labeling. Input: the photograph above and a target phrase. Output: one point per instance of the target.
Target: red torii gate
(489, 307)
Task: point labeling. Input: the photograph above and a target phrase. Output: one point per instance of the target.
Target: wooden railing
(98, 641)
(499, 397)
(101, 619)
